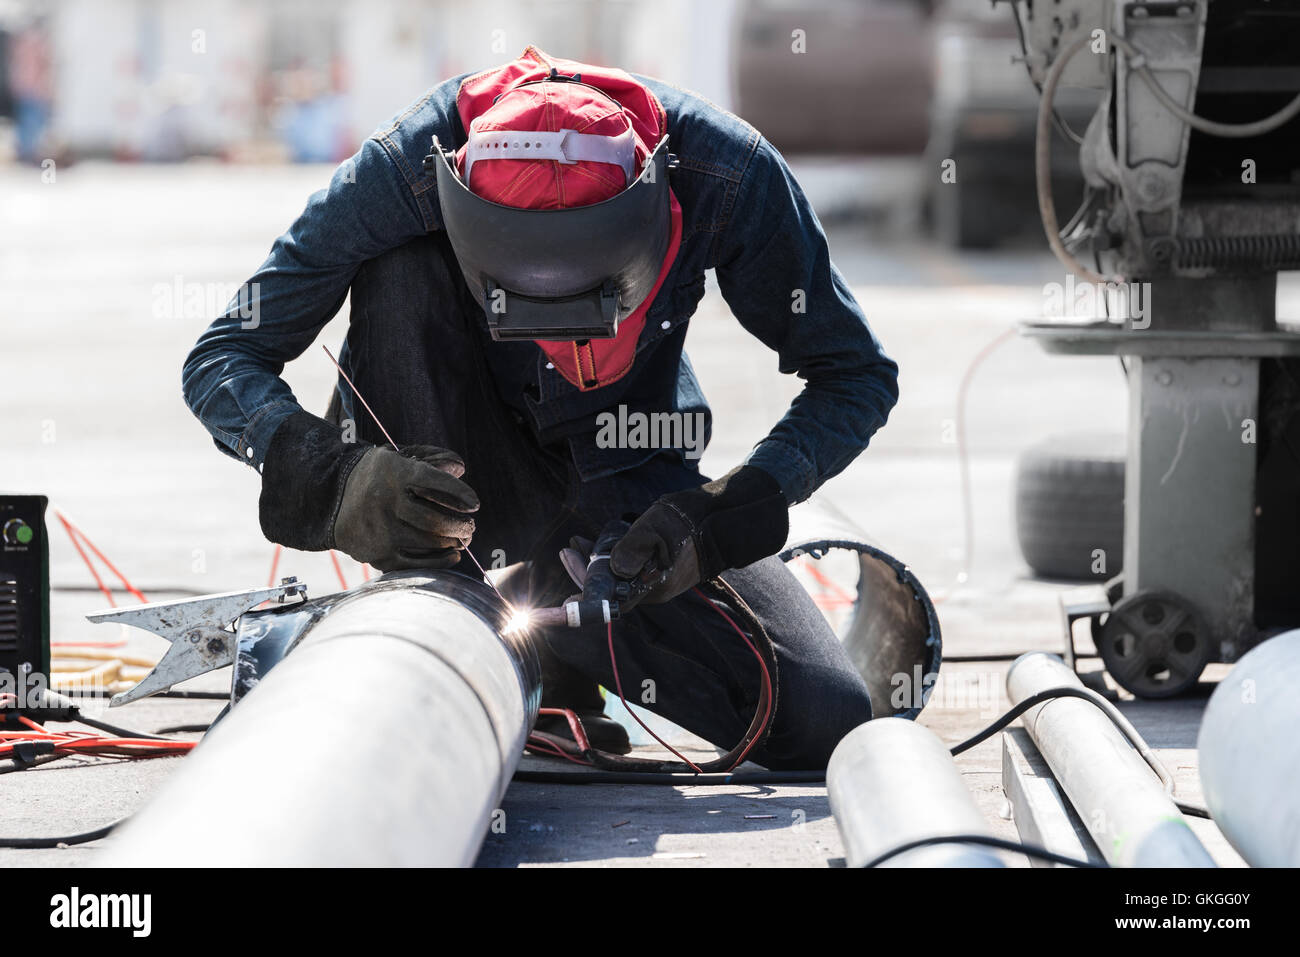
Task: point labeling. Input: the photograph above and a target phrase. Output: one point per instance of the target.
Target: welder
(523, 248)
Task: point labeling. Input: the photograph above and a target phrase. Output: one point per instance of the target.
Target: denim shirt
(743, 216)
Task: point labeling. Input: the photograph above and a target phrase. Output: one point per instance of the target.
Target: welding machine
(24, 597)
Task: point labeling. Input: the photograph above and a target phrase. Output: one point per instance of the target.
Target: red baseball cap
(588, 150)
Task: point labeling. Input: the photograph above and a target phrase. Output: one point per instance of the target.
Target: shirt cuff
(793, 472)
(256, 436)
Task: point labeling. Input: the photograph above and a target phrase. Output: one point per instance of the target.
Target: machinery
(24, 598)
(1192, 207)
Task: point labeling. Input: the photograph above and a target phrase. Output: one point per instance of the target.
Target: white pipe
(385, 738)
(1250, 754)
(890, 782)
(1121, 801)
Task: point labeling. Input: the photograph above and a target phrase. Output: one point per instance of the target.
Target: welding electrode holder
(603, 593)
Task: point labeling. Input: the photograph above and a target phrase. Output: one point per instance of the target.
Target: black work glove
(393, 510)
(689, 537)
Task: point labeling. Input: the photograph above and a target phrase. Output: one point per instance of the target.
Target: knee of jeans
(804, 741)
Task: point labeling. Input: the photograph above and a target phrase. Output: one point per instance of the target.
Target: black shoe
(603, 732)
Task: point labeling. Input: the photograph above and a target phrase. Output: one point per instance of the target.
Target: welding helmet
(559, 214)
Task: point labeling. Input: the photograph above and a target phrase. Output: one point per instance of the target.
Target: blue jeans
(417, 350)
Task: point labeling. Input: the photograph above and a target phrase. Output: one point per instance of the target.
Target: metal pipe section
(1134, 822)
(891, 632)
(1250, 754)
(891, 781)
(386, 738)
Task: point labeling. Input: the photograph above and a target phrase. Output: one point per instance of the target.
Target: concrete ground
(93, 340)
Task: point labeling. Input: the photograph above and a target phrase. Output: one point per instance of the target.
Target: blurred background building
(300, 80)
(266, 81)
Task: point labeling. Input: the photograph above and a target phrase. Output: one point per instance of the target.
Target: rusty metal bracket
(201, 631)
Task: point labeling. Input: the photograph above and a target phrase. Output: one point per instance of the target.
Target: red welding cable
(338, 569)
(545, 747)
(275, 565)
(74, 530)
(618, 685)
(575, 725)
(767, 680)
(99, 582)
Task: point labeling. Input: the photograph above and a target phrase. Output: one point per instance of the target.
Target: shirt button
(665, 324)
(550, 365)
(249, 451)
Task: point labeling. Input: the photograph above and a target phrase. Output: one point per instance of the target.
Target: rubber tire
(1069, 502)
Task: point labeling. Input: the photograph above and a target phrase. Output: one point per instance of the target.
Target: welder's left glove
(689, 537)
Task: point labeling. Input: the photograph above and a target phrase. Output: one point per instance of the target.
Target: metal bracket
(201, 632)
(1076, 604)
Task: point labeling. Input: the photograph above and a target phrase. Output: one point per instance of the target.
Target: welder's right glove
(392, 509)
(690, 536)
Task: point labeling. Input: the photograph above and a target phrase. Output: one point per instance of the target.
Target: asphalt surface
(93, 418)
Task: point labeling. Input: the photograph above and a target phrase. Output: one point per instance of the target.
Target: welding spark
(519, 621)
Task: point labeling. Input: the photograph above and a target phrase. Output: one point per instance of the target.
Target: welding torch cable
(545, 745)
(757, 729)
(618, 686)
(766, 681)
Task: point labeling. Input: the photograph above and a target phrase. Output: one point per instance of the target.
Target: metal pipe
(892, 781)
(1134, 822)
(891, 632)
(386, 738)
(1250, 754)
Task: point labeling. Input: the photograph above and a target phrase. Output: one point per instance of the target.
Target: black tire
(1069, 503)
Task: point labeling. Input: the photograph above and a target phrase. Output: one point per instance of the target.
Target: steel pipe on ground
(892, 781)
(1115, 792)
(385, 738)
(1250, 754)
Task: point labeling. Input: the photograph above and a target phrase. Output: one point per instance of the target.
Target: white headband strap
(565, 146)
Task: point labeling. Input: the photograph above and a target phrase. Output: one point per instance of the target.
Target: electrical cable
(1029, 850)
(1043, 165)
(191, 695)
(38, 843)
(1122, 723)
(112, 729)
(75, 532)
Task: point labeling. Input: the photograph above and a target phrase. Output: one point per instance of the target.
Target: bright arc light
(518, 621)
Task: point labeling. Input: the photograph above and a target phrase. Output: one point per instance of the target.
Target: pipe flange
(1154, 644)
